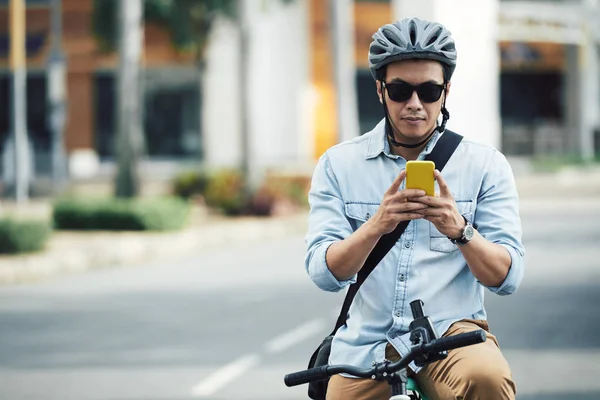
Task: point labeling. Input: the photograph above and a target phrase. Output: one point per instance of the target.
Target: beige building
(526, 82)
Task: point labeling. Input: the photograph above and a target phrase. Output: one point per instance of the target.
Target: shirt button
(402, 278)
(367, 216)
(407, 245)
(398, 314)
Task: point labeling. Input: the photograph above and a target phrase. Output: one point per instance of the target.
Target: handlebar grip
(456, 341)
(309, 375)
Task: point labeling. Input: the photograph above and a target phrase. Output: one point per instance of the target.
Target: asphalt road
(229, 324)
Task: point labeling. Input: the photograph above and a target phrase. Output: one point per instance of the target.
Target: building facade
(523, 90)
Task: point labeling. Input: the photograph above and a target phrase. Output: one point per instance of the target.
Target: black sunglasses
(400, 92)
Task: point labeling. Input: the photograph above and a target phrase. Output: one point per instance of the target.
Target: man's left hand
(442, 211)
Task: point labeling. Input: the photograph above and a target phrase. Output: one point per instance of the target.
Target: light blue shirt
(347, 187)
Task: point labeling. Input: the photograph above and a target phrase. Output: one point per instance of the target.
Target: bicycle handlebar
(435, 346)
(455, 341)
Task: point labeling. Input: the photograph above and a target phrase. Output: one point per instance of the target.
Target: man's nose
(414, 103)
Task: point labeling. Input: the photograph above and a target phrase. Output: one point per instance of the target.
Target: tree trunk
(341, 15)
(130, 137)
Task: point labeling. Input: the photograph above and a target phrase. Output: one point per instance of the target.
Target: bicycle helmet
(412, 38)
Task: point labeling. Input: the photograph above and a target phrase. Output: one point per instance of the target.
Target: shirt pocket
(359, 213)
(438, 241)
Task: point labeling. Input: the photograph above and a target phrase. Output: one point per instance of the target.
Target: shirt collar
(378, 143)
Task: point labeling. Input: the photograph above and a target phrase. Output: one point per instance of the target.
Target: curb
(569, 182)
(73, 252)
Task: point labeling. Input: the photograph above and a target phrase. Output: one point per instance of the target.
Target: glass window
(38, 133)
(171, 120)
(4, 3)
(370, 110)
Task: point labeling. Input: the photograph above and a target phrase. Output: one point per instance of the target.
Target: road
(230, 323)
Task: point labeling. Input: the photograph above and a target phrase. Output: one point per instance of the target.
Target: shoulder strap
(440, 155)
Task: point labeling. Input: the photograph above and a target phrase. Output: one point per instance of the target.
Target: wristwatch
(467, 234)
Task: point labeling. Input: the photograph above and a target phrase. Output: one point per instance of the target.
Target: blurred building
(522, 84)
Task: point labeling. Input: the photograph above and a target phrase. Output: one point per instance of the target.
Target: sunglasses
(400, 92)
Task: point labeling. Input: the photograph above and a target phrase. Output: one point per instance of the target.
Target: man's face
(415, 118)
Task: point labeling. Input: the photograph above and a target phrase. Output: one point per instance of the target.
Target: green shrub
(23, 236)
(225, 191)
(157, 214)
(190, 183)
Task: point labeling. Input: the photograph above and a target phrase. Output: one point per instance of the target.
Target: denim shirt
(348, 184)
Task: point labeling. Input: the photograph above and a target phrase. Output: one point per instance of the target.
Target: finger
(408, 216)
(428, 200)
(444, 189)
(406, 207)
(405, 194)
(434, 212)
(397, 182)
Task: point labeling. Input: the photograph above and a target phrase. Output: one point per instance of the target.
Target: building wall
(278, 92)
(84, 59)
(473, 102)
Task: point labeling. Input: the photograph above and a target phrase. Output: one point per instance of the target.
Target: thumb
(397, 182)
(444, 189)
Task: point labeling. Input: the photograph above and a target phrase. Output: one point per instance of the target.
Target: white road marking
(220, 378)
(224, 375)
(295, 336)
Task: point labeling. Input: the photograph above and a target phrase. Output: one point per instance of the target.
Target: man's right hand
(397, 206)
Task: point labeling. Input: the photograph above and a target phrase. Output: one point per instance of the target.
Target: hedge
(114, 214)
(18, 236)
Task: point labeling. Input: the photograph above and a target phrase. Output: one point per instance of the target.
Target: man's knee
(482, 379)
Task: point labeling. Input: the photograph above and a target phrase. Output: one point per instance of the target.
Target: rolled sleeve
(515, 273)
(327, 223)
(498, 220)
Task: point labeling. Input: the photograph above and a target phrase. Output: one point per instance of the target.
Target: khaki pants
(474, 372)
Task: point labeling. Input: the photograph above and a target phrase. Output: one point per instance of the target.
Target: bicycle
(426, 348)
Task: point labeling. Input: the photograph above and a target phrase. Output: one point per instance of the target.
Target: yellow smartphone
(419, 175)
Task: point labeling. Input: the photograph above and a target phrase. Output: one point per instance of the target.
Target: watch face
(469, 232)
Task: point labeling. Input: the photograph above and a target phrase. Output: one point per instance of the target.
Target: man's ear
(379, 94)
(448, 88)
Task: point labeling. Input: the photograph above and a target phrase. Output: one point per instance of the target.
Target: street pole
(19, 99)
(56, 97)
(341, 16)
(243, 97)
(590, 81)
(130, 139)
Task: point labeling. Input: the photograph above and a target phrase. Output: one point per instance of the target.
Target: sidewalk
(70, 252)
(569, 182)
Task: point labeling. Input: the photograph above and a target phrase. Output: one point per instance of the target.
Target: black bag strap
(440, 155)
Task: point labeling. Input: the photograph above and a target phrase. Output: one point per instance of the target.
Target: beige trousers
(477, 372)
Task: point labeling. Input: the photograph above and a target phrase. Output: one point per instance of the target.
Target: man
(358, 195)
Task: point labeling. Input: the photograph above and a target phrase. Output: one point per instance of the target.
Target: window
(4, 3)
(38, 132)
(370, 110)
(34, 43)
(171, 120)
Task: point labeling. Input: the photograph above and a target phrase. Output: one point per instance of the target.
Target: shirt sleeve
(327, 223)
(497, 218)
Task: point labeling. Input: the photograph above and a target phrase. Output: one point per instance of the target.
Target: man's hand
(397, 206)
(441, 211)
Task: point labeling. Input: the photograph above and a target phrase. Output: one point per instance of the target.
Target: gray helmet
(412, 38)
